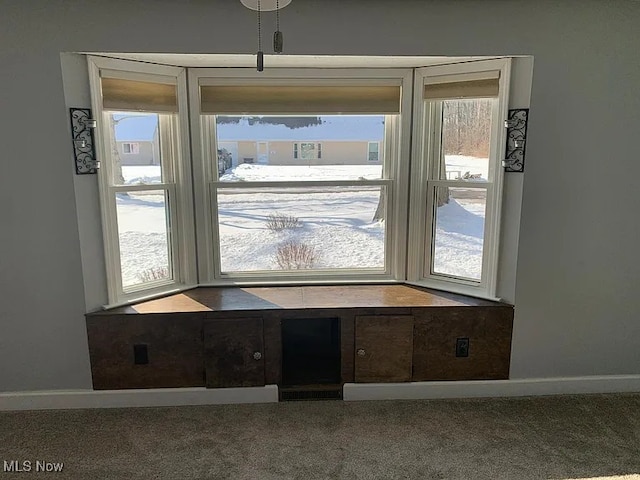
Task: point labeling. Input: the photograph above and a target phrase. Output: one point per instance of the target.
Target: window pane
(143, 237)
(276, 229)
(308, 151)
(135, 148)
(466, 136)
(374, 151)
(459, 232)
(327, 147)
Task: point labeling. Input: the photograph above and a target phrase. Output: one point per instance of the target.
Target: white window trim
(424, 155)
(297, 150)
(131, 148)
(182, 255)
(369, 151)
(193, 201)
(396, 173)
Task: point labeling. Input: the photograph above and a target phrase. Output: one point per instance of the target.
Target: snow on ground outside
(247, 172)
(143, 234)
(455, 164)
(459, 238)
(458, 165)
(337, 222)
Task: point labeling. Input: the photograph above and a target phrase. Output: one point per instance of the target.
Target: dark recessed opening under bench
(309, 341)
(310, 351)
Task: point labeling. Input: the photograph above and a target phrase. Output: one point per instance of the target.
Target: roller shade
(484, 88)
(284, 100)
(132, 95)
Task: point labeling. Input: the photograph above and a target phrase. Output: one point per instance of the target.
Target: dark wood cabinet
(146, 351)
(234, 352)
(383, 348)
(233, 337)
(487, 332)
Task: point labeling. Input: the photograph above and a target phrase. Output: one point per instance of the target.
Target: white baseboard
(157, 397)
(169, 397)
(492, 388)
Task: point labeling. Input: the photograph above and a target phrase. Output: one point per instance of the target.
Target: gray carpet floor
(523, 438)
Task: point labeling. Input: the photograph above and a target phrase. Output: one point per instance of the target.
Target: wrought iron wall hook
(516, 125)
(82, 126)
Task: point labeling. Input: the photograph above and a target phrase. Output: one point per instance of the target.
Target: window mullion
(215, 230)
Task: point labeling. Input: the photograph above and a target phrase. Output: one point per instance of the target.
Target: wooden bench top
(220, 299)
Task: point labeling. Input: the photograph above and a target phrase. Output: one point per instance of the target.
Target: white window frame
(297, 150)
(369, 152)
(177, 183)
(191, 199)
(315, 150)
(134, 148)
(425, 160)
(395, 175)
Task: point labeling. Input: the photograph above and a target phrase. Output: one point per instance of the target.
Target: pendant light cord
(259, 29)
(277, 15)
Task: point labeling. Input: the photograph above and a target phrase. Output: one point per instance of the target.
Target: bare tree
(381, 209)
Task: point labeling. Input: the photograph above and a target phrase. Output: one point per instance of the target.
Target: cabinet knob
(361, 352)
(257, 355)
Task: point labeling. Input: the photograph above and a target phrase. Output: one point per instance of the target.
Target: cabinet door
(145, 351)
(384, 348)
(485, 331)
(234, 353)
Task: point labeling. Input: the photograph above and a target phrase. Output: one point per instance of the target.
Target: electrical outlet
(462, 347)
(140, 354)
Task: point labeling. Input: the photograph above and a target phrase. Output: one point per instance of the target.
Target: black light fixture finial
(277, 36)
(260, 56)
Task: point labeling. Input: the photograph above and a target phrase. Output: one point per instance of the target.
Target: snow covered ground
(336, 222)
(247, 172)
(459, 234)
(143, 235)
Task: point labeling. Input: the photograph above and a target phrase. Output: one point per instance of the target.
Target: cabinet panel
(234, 354)
(272, 348)
(383, 348)
(347, 340)
(488, 330)
(146, 351)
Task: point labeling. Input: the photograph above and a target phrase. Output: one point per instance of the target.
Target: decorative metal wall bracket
(84, 151)
(516, 125)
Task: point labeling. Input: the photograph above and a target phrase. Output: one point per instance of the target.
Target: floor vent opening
(289, 395)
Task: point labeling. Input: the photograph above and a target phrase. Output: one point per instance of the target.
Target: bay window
(300, 175)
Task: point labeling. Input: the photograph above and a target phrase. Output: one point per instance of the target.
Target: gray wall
(577, 310)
